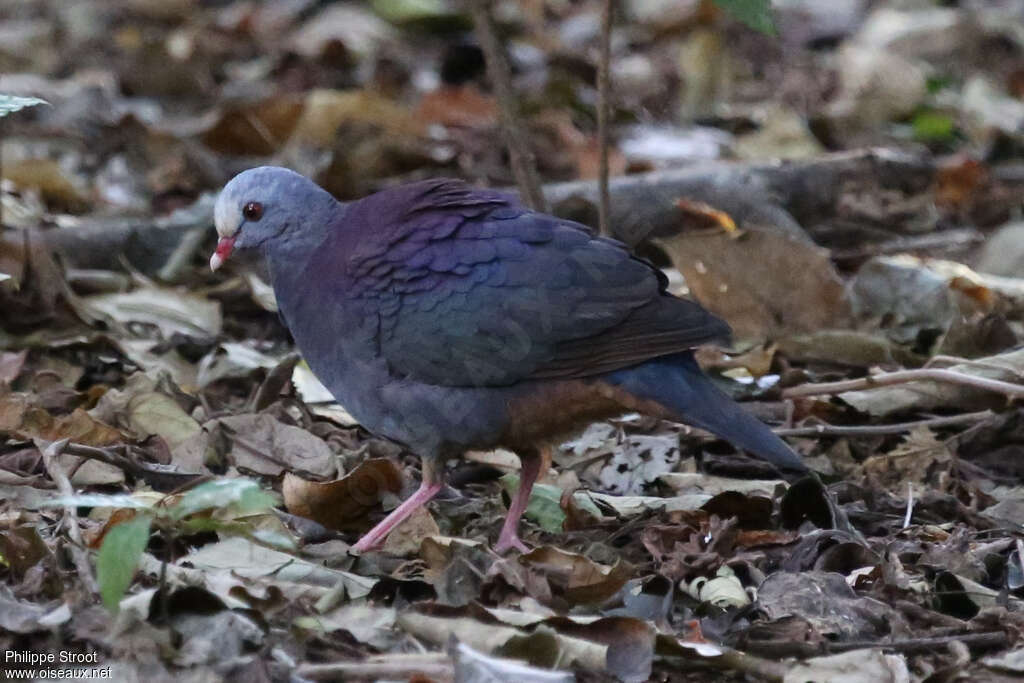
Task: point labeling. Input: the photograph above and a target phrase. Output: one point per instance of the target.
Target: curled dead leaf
(344, 504)
(579, 579)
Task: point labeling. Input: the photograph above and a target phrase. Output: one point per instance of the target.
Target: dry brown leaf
(579, 579)
(46, 176)
(407, 538)
(912, 462)
(22, 418)
(959, 182)
(765, 283)
(458, 106)
(344, 504)
(327, 110)
(255, 129)
(704, 216)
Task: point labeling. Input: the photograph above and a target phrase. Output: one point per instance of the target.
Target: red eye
(253, 211)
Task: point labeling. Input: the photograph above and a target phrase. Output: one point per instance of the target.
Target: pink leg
(509, 537)
(429, 487)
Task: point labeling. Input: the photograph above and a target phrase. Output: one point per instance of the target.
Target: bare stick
(980, 641)
(77, 548)
(604, 87)
(882, 430)
(389, 666)
(903, 377)
(524, 166)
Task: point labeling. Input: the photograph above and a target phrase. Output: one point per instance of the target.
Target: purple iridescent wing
(471, 289)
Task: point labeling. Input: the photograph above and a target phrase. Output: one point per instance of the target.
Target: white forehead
(227, 213)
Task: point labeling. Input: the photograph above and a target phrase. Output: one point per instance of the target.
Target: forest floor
(177, 489)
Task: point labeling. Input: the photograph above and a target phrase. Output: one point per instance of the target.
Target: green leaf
(12, 103)
(757, 14)
(420, 12)
(933, 126)
(545, 506)
(244, 496)
(97, 500)
(119, 557)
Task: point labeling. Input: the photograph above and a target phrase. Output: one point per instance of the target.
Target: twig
(604, 86)
(79, 556)
(984, 364)
(105, 456)
(903, 377)
(270, 389)
(948, 240)
(882, 430)
(389, 667)
(988, 640)
(155, 477)
(978, 641)
(524, 166)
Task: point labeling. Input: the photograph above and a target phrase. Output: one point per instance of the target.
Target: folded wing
(471, 289)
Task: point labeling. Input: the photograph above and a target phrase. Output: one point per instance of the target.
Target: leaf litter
(216, 486)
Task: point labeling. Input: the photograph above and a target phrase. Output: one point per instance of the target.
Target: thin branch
(882, 430)
(393, 666)
(978, 641)
(985, 640)
(604, 88)
(524, 165)
(978, 363)
(903, 377)
(77, 548)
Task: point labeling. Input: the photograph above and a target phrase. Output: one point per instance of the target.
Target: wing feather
(472, 289)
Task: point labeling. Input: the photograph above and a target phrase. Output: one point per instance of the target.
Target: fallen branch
(77, 548)
(956, 240)
(159, 479)
(882, 430)
(904, 377)
(976, 641)
(973, 385)
(766, 193)
(642, 205)
(400, 667)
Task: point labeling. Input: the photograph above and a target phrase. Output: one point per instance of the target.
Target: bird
(449, 318)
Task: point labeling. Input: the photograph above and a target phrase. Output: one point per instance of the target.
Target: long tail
(677, 383)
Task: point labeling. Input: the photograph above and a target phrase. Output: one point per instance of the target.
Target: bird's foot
(375, 537)
(367, 544)
(507, 542)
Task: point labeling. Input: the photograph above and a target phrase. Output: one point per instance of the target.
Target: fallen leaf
(21, 417)
(461, 106)
(344, 504)
(405, 539)
(578, 578)
(170, 311)
(765, 283)
(704, 216)
(856, 665)
(262, 444)
(144, 410)
(255, 128)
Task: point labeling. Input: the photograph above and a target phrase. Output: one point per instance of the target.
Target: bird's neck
(292, 250)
